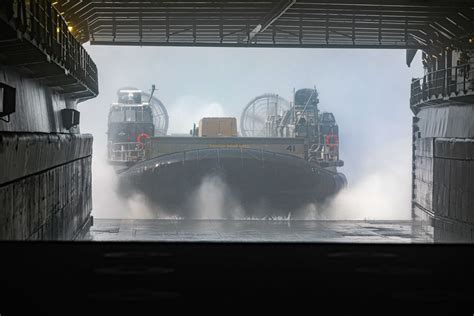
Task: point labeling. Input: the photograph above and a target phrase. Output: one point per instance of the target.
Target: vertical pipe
(449, 74)
(464, 78)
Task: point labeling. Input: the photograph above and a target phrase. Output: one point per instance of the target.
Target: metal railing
(323, 153)
(442, 83)
(41, 24)
(123, 152)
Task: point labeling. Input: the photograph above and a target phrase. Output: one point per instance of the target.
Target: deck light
(7, 101)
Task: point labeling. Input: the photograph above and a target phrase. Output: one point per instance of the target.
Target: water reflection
(259, 231)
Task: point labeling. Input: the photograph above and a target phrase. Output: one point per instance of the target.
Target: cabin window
(116, 116)
(130, 116)
(144, 116)
(137, 98)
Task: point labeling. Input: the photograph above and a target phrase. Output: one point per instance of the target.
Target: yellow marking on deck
(228, 146)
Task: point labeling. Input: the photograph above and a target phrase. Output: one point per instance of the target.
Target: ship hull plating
(260, 183)
(443, 170)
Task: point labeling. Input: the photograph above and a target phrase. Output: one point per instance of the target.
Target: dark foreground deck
(327, 268)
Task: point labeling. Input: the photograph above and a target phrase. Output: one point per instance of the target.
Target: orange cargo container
(217, 126)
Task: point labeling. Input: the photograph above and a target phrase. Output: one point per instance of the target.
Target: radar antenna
(160, 115)
(259, 111)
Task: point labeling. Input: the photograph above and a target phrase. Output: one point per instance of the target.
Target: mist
(367, 90)
(382, 193)
(188, 110)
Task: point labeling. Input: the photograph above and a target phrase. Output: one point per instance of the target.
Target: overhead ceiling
(433, 24)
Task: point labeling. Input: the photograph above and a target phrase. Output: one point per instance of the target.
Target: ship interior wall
(45, 169)
(443, 159)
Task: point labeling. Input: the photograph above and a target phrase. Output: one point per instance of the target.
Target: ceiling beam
(276, 12)
(422, 24)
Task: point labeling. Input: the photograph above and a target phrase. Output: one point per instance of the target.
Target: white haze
(187, 110)
(367, 90)
(383, 193)
(107, 203)
(214, 200)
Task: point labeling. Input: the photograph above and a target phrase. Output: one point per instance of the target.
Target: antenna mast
(152, 91)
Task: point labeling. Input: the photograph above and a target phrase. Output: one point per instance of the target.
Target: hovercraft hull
(262, 182)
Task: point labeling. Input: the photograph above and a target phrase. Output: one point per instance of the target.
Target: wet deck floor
(258, 231)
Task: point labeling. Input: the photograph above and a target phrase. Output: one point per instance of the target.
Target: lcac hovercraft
(286, 158)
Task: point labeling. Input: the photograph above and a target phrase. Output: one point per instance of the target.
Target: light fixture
(70, 118)
(7, 101)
